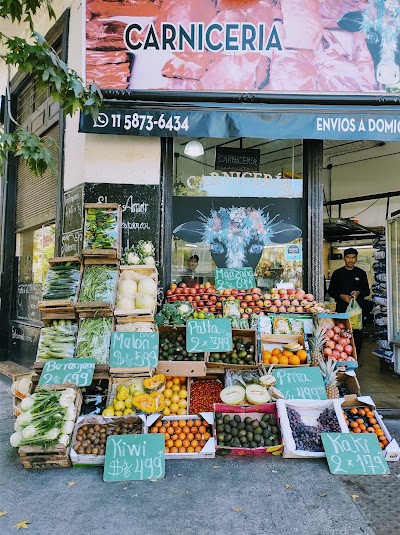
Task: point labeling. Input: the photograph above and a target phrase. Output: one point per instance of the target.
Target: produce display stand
(61, 307)
(36, 457)
(114, 252)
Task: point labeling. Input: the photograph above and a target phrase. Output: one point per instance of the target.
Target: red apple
(291, 291)
(267, 303)
(336, 337)
(336, 329)
(286, 302)
(335, 353)
(234, 291)
(331, 344)
(200, 303)
(186, 291)
(342, 341)
(273, 308)
(327, 351)
(181, 298)
(339, 347)
(168, 292)
(295, 302)
(291, 309)
(343, 356)
(299, 309)
(348, 349)
(309, 297)
(196, 298)
(278, 302)
(192, 291)
(182, 285)
(330, 333)
(256, 310)
(267, 296)
(174, 298)
(282, 309)
(340, 325)
(213, 298)
(189, 298)
(260, 303)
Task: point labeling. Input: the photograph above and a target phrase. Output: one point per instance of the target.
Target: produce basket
(114, 426)
(62, 280)
(98, 287)
(126, 303)
(102, 230)
(271, 342)
(249, 343)
(255, 413)
(36, 457)
(203, 392)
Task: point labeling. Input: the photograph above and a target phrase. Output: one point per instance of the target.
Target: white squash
(233, 395)
(257, 395)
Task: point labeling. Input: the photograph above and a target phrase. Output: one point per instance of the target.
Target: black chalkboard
(73, 210)
(140, 209)
(71, 243)
(24, 342)
(28, 297)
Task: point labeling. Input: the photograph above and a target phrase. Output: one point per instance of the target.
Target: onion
(147, 286)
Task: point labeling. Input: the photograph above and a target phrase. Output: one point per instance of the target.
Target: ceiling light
(194, 149)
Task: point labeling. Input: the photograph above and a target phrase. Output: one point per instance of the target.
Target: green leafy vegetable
(94, 339)
(98, 283)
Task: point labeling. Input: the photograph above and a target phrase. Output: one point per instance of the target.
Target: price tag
(359, 454)
(238, 278)
(134, 457)
(300, 383)
(76, 371)
(209, 335)
(134, 350)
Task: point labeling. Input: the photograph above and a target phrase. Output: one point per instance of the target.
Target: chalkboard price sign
(28, 297)
(134, 350)
(300, 383)
(76, 371)
(208, 335)
(134, 458)
(238, 278)
(349, 453)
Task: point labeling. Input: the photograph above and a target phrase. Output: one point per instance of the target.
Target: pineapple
(316, 343)
(329, 371)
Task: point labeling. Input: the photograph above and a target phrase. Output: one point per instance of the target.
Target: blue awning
(381, 123)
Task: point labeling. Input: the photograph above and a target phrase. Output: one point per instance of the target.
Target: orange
(287, 353)
(372, 421)
(370, 430)
(154, 430)
(176, 381)
(265, 355)
(158, 423)
(363, 427)
(170, 430)
(186, 443)
(182, 423)
(174, 423)
(194, 443)
(202, 429)
(186, 429)
(174, 437)
(166, 450)
(190, 449)
(274, 360)
(169, 443)
(198, 436)
(197, 449)
(197, 423)
(353, 424)
(360, 421)
(302, 356)
(190, 423)
(353, 410)
(173, 450)
(283, 360)
(181, 436)
(275, 351)
(369, 414)
(194, 430)
(294, 360)
(190, 436)
(361, 412)
(356, 430)
(167, 436)
(206, 436)
(182, 379)
(178, 443)
(379, 433)
(376, 426)
(182, 450)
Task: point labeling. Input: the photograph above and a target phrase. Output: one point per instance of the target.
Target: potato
(96, 441)
(84, 428)
(103, 435)
(76, 447)
(109, 432)
(103, 441)
(95, 451)
(118, 430)
(96, 427)
(81, 450)
(102, 451)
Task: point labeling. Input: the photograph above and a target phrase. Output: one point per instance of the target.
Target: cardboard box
(208, 451)
(248, 335)
(215, 377)
(255, 412)
(350, 381)
(180, 368)
(270, 341)
(98, 460)
(310, 411)
(325, 319)
(392, 450)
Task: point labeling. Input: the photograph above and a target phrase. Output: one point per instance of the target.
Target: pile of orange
(362, 420)
(284, 357)
(183, 436)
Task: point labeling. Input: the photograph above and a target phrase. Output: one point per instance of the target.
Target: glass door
(393, 250)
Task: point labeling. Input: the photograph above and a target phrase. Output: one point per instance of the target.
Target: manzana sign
(312, 46)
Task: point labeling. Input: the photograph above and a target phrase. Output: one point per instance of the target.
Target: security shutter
(37, 196)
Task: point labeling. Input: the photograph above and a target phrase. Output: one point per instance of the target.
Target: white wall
(375, 170)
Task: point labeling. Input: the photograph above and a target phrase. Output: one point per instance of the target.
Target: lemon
(182, 404)
(174, 407)
(137, 393)
(166, 411)
(181, 411)
(123, 394)
(167, 402)
(175, 398)
(167, 393)
(128, 402)
(182, 394)
(175, 388)
(128, 411)
(169, 383)
(119, 405)
(118, 413)
(109, 411)
(121, 387)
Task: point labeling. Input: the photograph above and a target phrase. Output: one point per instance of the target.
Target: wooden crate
(279, 340)
(61, 307)
(90, 307)
(104, 253)
(12, 370)
(17, 393)
(146, 271)
(180, 368)
(38, 364)
(248, 335)
(38, 458)
(99, 367)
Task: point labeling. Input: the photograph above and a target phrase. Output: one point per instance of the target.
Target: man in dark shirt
(347, 282)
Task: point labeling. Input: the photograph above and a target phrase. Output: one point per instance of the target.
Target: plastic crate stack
(379, 298)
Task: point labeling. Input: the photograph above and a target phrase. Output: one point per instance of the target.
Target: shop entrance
(359, 184)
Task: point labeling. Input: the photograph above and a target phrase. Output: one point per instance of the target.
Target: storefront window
(238, 204)
(33, 250)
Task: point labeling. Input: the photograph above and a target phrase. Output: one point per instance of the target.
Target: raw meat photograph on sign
(313, 46)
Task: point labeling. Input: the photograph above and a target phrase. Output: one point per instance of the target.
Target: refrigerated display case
(393, 280)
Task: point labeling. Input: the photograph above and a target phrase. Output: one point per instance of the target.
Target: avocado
(227, 428)
(258, 431)
(266, 433)
(218, 415)
(263, 425)
(234, 432)
(249, 428)
(253, 444)
(220, 438)
(228, 437)
(247, 420)
(233, 423)
(272, 420)
(249, 436)
(242, 433)
(241, 425)
(266, 417)
(257, 438)
(254, 424)
(243, 440)
(226, 419)
(237, 418)
(274, 430)
(235, 443)
(220, 428)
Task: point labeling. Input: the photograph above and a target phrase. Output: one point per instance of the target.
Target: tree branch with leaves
(38, 59)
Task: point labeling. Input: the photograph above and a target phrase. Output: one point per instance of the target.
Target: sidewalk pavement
(216, 496)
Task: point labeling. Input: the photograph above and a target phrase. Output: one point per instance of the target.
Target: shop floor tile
(378, 498)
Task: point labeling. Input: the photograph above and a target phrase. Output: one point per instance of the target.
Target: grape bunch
(308, 437)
